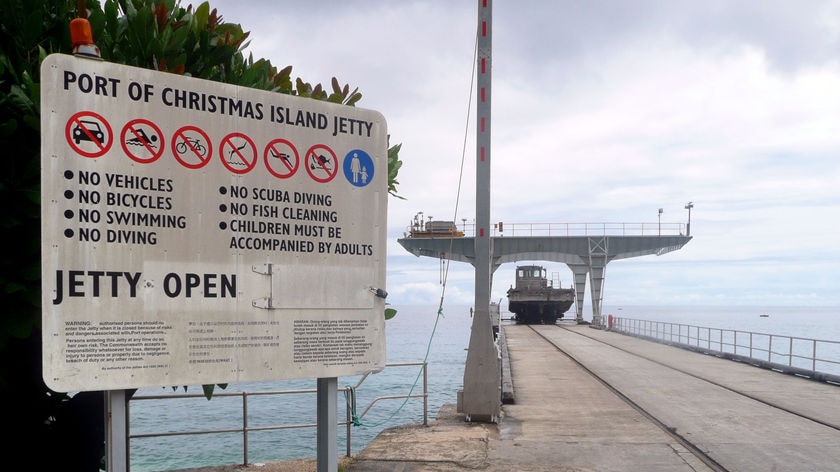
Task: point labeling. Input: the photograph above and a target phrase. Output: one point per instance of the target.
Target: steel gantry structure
(586, 254)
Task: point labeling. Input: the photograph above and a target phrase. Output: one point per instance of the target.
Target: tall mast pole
(481, 400)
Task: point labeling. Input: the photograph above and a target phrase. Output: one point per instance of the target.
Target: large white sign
(195, 232)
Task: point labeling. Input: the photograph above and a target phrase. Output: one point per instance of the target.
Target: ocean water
(806, 322)
(414, 332)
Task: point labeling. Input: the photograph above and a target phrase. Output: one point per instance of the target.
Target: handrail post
(770, 349)
(245, 428)
(735, 348)
(790, 351)
(751, 344)
(347, 416)
(425, 393)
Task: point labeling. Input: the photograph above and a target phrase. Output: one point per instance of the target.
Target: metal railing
(245, 428)
(818, 359)
(589, 229)
(576, 229)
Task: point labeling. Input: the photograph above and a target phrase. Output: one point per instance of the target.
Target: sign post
(182, 242)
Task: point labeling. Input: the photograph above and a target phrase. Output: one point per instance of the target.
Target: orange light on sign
(82, 38)
(80, 32)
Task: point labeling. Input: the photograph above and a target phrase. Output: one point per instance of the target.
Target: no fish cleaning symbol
(322, 164)
(320, 161)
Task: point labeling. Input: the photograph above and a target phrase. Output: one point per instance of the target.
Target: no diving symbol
(142, 141)
(89, 134)
(192, 147)
(321, 163)
(281, 158)
(238, 153)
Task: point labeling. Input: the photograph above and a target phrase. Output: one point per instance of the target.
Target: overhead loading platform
(585, 254)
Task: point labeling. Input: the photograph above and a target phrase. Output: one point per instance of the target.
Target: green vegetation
(162, 36)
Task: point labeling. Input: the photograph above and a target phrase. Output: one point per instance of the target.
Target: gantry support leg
(579, 271)
(598, 255)
(596, 284)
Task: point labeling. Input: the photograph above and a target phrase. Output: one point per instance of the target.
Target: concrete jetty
(593, 400)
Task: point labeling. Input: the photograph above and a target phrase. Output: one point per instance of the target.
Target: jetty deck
(594, 400)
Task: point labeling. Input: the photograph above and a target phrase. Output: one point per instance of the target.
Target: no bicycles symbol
(192, 147)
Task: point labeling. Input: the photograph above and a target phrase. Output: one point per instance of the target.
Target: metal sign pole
(327, 420)
(116, 431)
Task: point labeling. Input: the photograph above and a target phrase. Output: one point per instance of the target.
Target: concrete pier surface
(602, 401)
(742, 417)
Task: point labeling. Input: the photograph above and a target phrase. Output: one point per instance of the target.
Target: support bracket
(265, 302)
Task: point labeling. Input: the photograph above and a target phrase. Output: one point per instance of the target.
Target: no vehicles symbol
(238, 153)
(142, 141)
(321, 163)
(89, 134)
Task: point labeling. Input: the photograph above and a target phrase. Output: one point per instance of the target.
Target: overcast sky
(602, 111)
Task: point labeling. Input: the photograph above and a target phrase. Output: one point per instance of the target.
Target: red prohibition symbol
(238, 153)
(93, 129)
(145, 140)
(192, 147)
(321, 163)
(281, 158)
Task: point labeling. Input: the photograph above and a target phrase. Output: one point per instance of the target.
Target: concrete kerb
(448, 443)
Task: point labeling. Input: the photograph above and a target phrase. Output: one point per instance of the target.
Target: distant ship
(535, 300)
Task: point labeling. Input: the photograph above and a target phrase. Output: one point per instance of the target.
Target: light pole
(660, 221)
(688, 206)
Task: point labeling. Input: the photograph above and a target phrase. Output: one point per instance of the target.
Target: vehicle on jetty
(433, 228)
(535, 300)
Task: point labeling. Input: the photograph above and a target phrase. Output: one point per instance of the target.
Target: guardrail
(588, 229)
(245, 428)
(577, 229)
(817, 359)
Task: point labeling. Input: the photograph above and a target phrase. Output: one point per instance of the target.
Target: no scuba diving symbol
(358, 168)
(281, 158)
